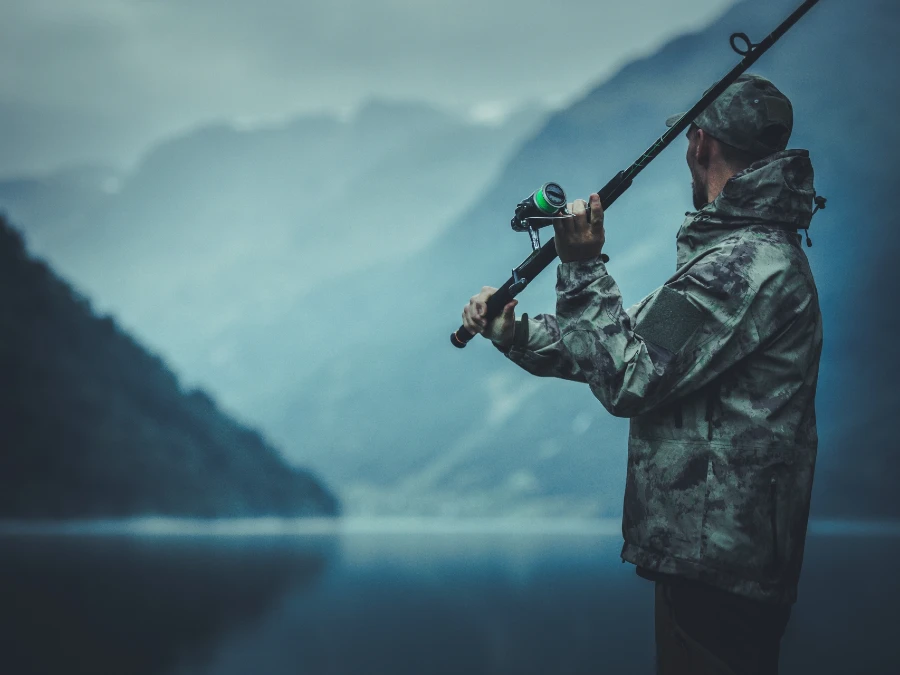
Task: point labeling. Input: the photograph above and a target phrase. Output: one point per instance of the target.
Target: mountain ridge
(93, 426)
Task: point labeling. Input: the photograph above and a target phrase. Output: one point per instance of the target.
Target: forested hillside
(92, 425)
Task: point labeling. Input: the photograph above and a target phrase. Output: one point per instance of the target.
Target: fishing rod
(549, 201)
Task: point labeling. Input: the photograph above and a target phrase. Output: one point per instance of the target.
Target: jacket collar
(776, 191)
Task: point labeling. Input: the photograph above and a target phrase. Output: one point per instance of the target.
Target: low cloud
(103, 78)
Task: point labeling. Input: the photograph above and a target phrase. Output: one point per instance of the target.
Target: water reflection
(398, 599)
(125, 605)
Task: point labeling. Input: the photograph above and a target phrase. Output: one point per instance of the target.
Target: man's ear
(703, 148)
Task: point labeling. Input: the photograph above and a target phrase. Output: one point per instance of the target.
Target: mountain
(343, 354)
(403, 422)
(92, 425)
(215, 232)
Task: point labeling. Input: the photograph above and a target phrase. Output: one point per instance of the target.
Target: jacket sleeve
(539, 350)
(689, 331)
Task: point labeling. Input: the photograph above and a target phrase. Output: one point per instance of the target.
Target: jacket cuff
(520, 336)
(579, 273)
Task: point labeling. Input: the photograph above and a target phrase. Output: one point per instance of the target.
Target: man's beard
(699, 194)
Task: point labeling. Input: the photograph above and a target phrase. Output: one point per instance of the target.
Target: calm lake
(393, 597)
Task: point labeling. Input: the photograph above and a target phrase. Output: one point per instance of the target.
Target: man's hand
(576, 238)
(500, 330)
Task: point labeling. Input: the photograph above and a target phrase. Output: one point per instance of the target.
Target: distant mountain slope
(356, 377)
(438, 429)
(216, 231)
(91, 425)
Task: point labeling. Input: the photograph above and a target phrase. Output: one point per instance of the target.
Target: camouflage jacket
(717, 370)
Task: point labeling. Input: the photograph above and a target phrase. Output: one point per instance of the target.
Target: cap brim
(671, 121)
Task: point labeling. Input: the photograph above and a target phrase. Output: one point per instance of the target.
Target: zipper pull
(820, 204)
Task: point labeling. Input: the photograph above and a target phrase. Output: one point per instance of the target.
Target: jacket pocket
(741, 531)
(665, 496)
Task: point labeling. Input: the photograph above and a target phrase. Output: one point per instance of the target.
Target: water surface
(395, 597)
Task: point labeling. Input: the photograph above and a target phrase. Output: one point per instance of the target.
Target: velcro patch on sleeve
(669, 320)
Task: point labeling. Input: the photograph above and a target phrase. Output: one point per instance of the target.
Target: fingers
(479, 303)
(576, 238)
(560, 228)
(508, 311)
(475, 312)
(470, 320)
(577, 208)
(578, 221)
(596, 209)
(473, 316)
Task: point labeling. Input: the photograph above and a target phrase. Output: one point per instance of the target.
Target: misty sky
(99, 80)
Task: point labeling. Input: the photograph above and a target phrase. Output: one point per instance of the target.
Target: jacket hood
(776, 191)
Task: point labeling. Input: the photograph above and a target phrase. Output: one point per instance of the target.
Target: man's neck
(716, 183)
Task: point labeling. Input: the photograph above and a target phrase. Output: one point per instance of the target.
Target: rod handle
(461, 337)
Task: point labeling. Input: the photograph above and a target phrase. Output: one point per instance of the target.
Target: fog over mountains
(310, 276)
(218, 233)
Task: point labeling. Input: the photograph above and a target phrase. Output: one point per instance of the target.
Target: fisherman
(717, 372)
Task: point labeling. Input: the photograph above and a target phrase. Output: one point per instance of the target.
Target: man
(717, 370)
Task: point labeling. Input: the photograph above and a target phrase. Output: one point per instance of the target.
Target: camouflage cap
(751, 114)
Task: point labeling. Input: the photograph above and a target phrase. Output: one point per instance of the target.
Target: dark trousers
(701, 630)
